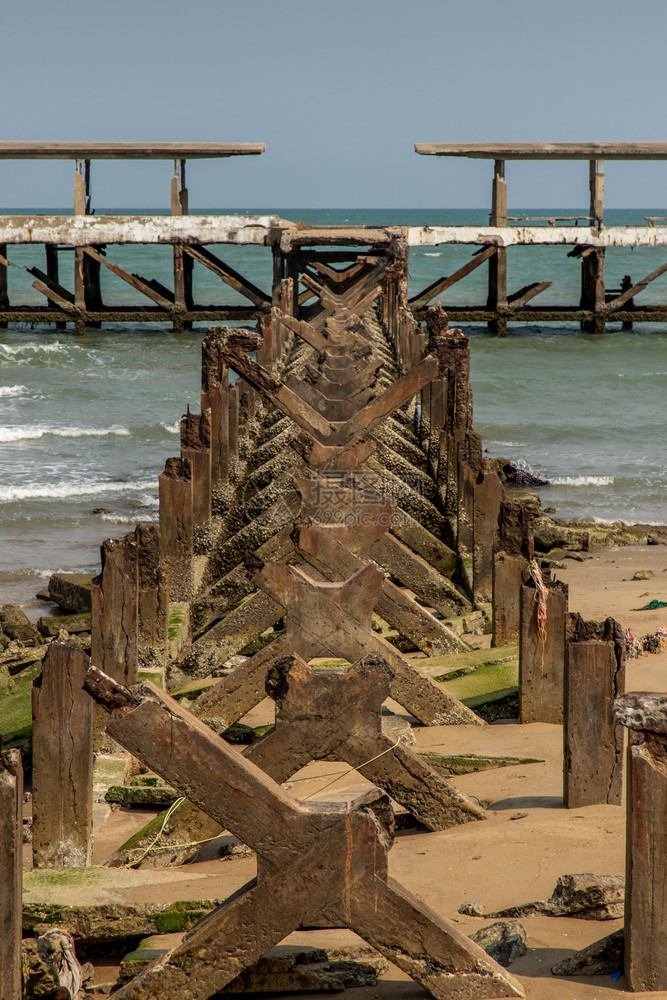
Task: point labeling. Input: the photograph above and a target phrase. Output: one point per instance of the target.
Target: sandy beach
(529, 839)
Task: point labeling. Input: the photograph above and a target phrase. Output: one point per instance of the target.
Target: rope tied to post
(541, 596)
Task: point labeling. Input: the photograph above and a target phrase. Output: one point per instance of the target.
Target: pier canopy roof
(36, 150)
(546, 150)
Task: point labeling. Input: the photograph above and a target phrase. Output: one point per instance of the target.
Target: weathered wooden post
(176, 528)
(645, 715)
(62, 770)
(214, 380)
(543, 606)
(152, 598)
(513, 552)
(114, 605)
(487, 498)
(498, 262)
(196, 448)
(592, 739)
(11, 872)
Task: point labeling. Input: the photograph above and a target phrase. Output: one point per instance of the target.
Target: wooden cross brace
(309, 419)
(327, 619)
(337, 715)
(316, 863)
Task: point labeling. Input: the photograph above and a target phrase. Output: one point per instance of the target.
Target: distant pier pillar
(87, 287)
(497, 299)
(4, 285)
(183, 263)
(592, 258)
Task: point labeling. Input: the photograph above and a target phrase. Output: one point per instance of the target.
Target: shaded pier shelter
(88, 235)
(588, 236)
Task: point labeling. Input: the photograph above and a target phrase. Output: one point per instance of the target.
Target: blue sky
(339, 92)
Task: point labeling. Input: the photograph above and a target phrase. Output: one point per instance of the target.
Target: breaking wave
(33, 432)
(13, 390)
(63, 491)
(582, 480)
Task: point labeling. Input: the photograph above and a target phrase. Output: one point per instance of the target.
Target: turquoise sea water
(88, 422)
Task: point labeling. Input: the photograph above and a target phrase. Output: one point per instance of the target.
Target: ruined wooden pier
(92, 239)
(589, 241)
(328, 509)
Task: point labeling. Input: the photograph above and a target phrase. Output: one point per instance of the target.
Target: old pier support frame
(586, 234)
(89, 235)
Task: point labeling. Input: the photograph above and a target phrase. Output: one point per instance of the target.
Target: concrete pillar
(176, 528)
(542, 651)
(11, 892)
(62, 769)
(646, 842)
(592, 739)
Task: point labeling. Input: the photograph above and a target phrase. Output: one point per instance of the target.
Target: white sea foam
(119, 518)
(172, 428)
(33, 432)
(29, 350)
(64, 491)
(426, 254)
(508, 444)
(582, 480)
(12, 390)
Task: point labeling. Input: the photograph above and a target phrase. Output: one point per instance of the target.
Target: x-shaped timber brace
(323, 864)
(330, 620)
(336, 715)
(343, 537)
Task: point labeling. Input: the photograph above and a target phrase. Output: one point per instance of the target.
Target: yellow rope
(170, 812)
(341, 774)
(334, 775)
